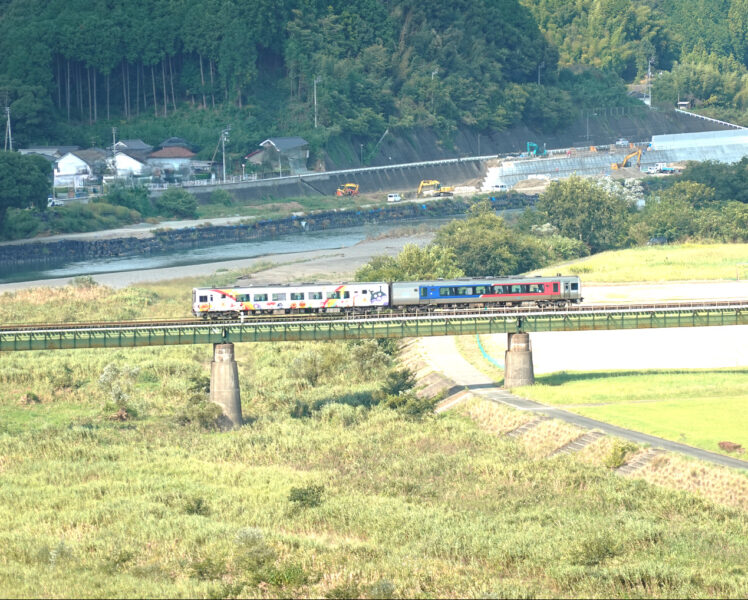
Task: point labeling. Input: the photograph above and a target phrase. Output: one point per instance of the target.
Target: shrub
(221, 197)
(252, 551)
(309, 496)
(619, 453)
(397, 382)
(409, 404)
(176, 202)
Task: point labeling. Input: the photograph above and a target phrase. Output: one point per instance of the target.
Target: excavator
(533, 150)
(432, 187)
(347, 189)
(624, 162)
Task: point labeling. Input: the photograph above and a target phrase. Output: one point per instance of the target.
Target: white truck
(660, 167)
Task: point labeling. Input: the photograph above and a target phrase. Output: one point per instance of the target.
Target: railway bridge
(516, 322)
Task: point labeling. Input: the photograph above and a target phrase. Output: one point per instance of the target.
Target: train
(378, 296)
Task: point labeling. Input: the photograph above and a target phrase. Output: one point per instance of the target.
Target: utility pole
(114, 151)
(316, 81)
(8, 132)
(434, 72)
(540, 66)
(649, 80)
(224, 137)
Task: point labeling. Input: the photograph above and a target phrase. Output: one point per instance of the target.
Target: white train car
(292, 298)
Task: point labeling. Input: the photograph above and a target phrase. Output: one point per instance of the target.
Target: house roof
(175, 141)
(54, 151)
(90, 155)
(284, 144)
(172, 152)
(134, 145)
(138, 156)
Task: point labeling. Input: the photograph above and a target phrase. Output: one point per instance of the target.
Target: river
(287, 244)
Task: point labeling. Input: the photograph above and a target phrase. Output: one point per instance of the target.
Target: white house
(127, 165)
(171, 159)
(80, 167)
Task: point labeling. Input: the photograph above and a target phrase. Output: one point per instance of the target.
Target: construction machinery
(431, 187)
(624, 163)
(533, 150)
(347, 189)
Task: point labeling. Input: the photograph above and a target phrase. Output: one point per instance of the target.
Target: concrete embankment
(376, 179)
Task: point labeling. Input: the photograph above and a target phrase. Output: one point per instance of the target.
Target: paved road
(443, 356)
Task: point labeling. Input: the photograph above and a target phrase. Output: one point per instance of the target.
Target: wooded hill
(70, 70)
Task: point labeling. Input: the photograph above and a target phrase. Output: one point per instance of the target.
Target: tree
(485, 246)
(24, 182)
(670, 216)
(413, 262)
(583, 210)
(176, 202)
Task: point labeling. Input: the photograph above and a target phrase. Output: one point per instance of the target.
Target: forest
(70, 71)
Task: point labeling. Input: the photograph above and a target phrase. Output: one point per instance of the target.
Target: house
(53, 152)
(171, 159)
(127, 163)
(80, 167)
(137, 149)
(283, 153)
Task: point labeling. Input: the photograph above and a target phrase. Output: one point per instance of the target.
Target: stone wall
(61, 251)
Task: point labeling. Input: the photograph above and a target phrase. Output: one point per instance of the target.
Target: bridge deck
(310, 328)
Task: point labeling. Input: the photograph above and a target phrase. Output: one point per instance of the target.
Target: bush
(309, 496)
(619, 453)
(221, 197)
(176, 202)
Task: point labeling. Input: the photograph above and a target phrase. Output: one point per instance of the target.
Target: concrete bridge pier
(518, 369)
(224, 385)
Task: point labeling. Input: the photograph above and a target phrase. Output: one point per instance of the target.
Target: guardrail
(698, 116)
(55, 337)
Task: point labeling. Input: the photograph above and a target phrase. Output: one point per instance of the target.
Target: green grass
(678, 262)
(342, 500)
(346, 502)
(699, 408)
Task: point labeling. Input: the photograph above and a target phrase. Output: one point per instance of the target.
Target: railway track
(382, 315)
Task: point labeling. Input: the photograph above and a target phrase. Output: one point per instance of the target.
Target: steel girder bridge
(386, 325)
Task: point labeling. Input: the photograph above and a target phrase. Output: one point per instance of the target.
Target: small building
(53, 152)
(289, 154)
(137, 149)
(128, 164)
(80, 168)
(171, 160)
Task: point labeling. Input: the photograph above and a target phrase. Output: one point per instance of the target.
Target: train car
(289, 298)
(557, 291)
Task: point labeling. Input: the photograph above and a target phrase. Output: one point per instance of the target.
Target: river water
(310, 241)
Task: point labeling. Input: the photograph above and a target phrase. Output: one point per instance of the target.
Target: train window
(555, 287)
(297, 295)
(535, 288)
(279, 296)
(364, 291)
(333, 295)
(315, 295)
(223, 296)
(424, 292)
(516, 289)
(202, 299)
(261, 298)
(444, 291)
(575, 286)
(464, 291)
(481, 289)
(242, 298)
(346, 294)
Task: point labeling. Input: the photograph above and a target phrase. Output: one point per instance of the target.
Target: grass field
(338, 501)
(677, 262)
(323, 493)
(699, 408)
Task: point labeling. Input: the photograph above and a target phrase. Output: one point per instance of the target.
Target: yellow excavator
(624, 162)
(347, 189)
(431, 187)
